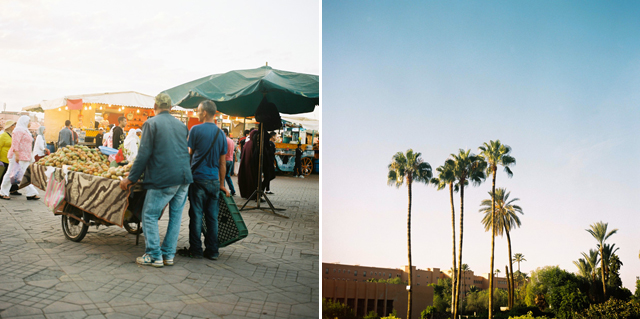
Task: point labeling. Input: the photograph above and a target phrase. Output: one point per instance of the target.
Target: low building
(350, 285)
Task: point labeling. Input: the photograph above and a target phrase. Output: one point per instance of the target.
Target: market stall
(303, 128)
(84, 110)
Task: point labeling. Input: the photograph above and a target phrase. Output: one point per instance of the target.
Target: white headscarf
(22, 125)
(131, 144)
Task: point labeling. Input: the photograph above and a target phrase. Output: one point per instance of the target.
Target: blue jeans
(227, 177)
(203, 196)
(154, 202)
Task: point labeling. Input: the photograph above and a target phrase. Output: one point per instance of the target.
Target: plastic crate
(231, 226)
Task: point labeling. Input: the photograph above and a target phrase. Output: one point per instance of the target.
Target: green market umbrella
(238, 93)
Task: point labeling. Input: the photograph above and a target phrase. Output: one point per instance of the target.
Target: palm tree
(446, 178)
(587, 266)
(505, 220)
(497, 272)
(467, 167)
(495, 153)
(408, 168)
(518, 257)
(599, 232)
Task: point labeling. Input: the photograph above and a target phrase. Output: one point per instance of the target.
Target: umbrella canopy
(238, 93)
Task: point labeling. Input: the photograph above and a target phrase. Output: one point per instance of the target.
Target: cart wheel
(133, 227)
(75, 230)
(307, 166)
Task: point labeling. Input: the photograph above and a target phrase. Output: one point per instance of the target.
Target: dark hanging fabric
(267, 114)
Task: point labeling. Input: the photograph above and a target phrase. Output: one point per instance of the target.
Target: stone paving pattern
(273, 273)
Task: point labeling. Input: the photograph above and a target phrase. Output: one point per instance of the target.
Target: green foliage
(409, 166)
(637, 294)
(567, 300)
(479, 301)
(392, 315)
(442, 294)
(427, 313)
(564, 292)
(529, 315)
(371, 315)
(612, 308)
(332, 310)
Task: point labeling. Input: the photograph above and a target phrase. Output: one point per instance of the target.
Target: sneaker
(167, 262)
(301, 176)
(185, 252)
(269, 192)
(146, 260)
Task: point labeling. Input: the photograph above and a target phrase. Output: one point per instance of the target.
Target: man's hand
(125, 183)
(222, 188)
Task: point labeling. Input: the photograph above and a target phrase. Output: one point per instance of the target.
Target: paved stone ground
(273, 273)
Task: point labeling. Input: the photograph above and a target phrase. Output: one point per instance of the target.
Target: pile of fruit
(85, 160)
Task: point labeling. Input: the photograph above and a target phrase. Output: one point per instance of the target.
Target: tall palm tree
(496, 153)
(467, 168)
(599, 232)
(518, 257)
(446, 178)
(506, 219)
(497, 272)
(408, 168)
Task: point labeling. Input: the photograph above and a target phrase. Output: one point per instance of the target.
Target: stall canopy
(310, 121)
(238, 93)
(130, 98)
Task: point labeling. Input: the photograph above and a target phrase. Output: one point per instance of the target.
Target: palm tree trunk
(453, 232)
(509, 280)
(604, 286)
(459, 274)
(493, 240)
(511, 285)
(409, 251)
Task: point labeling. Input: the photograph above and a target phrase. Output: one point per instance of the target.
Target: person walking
(229, 161)
(163, 157)
(297, 169)
(209, 148)
(118, 132)
(131, 144)
(40, 146)
(5, 145)
(108, 137)
(65, 136)
(99, 137)
(19, 156)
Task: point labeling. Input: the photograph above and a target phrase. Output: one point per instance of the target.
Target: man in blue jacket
(163, 156)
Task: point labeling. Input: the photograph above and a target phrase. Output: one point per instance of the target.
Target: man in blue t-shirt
(208, 145)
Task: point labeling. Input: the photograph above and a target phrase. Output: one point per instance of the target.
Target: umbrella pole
(259, 192)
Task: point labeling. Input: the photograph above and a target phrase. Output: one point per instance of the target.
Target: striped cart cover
(98, 196)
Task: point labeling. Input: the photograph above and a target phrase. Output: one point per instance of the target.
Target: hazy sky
(557, 81)
(49, 49)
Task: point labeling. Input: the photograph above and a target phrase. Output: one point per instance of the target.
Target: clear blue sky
(557, 81)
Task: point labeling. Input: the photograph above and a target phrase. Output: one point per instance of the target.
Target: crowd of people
(177, 164)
